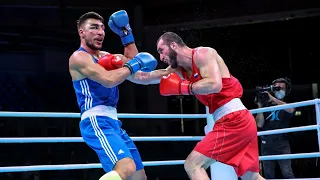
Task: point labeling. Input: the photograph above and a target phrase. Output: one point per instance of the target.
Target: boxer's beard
(91, 46)
(173, 58)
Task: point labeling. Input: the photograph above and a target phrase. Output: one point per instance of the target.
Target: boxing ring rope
(162, 138)
(77, 115)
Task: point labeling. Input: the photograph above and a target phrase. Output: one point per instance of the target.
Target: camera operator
(278, 119)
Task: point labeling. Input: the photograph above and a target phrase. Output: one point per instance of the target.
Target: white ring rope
(148, 163)
(164, 138)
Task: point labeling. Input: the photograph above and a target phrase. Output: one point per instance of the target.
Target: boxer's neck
(184, 58)
(91, 51)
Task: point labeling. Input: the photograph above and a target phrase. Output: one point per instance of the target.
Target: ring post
(218, 170)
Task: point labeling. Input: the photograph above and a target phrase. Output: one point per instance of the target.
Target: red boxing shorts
(233, 141)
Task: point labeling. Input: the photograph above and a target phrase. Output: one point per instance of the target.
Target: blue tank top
(90, 93)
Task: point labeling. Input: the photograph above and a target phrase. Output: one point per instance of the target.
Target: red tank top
(231, 88)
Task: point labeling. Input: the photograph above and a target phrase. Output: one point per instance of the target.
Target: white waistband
(232, 106)
(101, 110)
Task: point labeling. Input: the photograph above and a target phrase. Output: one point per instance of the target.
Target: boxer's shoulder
(79, 58)
(204, 52)
(79, 55)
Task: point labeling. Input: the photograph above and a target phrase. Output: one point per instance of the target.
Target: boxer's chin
(93, 46)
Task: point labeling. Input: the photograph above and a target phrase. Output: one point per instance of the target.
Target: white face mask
(280, 94)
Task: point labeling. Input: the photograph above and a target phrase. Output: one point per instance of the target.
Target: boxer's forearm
(206, 86)
(146, 78)
(130, 51)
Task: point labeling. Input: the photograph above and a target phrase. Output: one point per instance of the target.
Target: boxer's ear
(173, 45)
(80, 31)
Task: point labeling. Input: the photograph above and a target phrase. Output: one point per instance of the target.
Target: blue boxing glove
(142, 61)
(119, 24)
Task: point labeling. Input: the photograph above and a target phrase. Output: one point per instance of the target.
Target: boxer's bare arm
(146, 78)
(211, 82)
(81, 66)
(130, 51)
(153, 77)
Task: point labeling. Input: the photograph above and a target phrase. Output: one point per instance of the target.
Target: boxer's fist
(110, 62)
(119, 24)
(142, 61)
(174, 85)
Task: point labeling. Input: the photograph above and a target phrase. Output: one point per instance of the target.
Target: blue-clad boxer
(97, 94)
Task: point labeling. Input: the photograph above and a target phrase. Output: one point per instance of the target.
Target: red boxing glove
(174, 85)
(110, 62)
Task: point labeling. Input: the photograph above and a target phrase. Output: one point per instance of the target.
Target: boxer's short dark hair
(169, 37)
(88, 15)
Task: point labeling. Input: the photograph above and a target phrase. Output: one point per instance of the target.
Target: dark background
(259, 41)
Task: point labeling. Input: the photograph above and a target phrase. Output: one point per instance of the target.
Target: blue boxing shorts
(111, 143)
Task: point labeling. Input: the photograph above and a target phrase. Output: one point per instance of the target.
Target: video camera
(261, 93)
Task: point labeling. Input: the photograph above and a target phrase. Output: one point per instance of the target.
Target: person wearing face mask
(278, 119)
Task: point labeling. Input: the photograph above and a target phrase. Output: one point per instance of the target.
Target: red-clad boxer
(203, 73)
